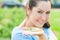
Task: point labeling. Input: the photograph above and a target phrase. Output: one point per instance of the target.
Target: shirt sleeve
(17, 35)
(52, 36)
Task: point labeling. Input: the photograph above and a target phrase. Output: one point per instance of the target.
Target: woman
(36, 24)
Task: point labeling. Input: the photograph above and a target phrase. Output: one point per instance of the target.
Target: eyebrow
(44, 11)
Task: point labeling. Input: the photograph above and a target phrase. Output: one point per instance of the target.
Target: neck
(29, 23)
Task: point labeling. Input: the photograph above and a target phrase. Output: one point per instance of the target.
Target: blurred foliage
(10, 18)
(55, 22)
(4, 0)
(20, 0)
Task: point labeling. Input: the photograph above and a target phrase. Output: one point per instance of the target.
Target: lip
(40, 22)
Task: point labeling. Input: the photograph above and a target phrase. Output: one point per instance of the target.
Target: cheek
(36, 16)
(48, 18)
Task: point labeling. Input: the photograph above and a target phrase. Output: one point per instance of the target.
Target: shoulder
(16, 30)
(16, 33)
(50, 33)
(48, 30)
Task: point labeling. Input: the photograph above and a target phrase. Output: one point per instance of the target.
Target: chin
(39, 25)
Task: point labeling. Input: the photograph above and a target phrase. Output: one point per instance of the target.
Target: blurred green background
(12, 17)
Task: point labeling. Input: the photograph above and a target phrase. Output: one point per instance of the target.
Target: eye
(39, 11)
(48, 12)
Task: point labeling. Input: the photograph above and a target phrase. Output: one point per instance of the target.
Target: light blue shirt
(17, 35)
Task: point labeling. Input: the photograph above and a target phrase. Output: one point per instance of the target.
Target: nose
(44, 17)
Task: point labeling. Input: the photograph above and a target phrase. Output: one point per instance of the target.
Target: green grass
(10, 18)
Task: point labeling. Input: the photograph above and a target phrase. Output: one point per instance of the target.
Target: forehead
(43, 5)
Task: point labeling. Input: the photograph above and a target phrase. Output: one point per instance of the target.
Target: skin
(39, 15)
(36, 18)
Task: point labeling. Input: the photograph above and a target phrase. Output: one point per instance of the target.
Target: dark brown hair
(46, 25)
(33, 3)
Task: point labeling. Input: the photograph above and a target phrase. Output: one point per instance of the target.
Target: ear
(28, 10)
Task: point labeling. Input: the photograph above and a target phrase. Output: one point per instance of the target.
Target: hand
(36, 31)
(33, 31)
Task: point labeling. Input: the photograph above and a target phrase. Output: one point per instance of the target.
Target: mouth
(41, 22)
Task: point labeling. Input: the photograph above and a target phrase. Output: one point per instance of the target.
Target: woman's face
(40, 13)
